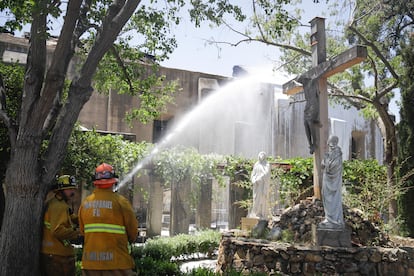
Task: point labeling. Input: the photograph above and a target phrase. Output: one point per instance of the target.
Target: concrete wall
(107, 112)
(354, 131)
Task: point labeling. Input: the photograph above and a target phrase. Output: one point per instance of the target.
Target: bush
(365, 181)
(166, 248)
(149, 266)
(162, 255)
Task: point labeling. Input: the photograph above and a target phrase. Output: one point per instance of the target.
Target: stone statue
(260, 179)
(311, 112)
(332, 186)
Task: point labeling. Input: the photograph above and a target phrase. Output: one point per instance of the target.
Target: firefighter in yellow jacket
(59, 229)
(109, 225)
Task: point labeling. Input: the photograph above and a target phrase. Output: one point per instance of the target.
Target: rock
(299, 219)
(275, 233)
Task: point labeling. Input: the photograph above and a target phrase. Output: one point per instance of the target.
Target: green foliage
(291, 184)
(12, 76)
(160, 256)
(148, 266)
(78, 265)
(213, 11)
(365, 183)
(287, 236)
(18, 12)
(87, 149)
(201, 271)
(296, 180)
(166, 248)
(152, 90)
(406, 135)
(238, 169)
(174, 165)
(274, 19)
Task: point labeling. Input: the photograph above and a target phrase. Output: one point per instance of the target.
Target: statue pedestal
(333, 237)
(247, 224)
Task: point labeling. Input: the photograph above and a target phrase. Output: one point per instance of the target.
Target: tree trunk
(22, 225)
(2, 205)
(387, 127)
(30, 170)
(391, 156)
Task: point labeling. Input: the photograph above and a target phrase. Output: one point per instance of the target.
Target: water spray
(237, 98)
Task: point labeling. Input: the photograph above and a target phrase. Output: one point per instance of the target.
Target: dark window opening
(159, 130)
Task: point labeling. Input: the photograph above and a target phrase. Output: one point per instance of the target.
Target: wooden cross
(314, 84)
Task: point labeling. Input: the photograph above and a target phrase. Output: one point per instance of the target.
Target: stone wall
(276, 258)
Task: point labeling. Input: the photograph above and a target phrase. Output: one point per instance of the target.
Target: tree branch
(376, 50)
(80, 89)
(123, 68)
(119, 13)
(82, 24)
(35, 71)
(261, 40)
(55, 78)
(338, 92)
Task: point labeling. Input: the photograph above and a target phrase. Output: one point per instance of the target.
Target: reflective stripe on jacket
(58, 229)
(104, 227)
(108, 222)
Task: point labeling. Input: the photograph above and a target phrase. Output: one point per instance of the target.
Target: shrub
(149, 266)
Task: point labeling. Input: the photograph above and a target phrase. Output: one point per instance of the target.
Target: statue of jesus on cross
(311, 113)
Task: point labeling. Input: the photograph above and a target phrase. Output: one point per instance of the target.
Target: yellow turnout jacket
(107, 221)
(58, 228)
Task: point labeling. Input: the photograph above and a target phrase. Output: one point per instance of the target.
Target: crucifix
(314, 85)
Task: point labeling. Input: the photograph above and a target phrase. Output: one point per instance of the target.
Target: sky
(196, 54)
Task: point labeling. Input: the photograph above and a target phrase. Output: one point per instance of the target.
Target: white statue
(260, 179)
(332, 186)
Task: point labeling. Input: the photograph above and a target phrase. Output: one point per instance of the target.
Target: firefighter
(59, 229)
(109, 226)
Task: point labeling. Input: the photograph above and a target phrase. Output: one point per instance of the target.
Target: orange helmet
(105, 176)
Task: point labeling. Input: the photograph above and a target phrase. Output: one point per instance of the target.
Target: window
(159, 130)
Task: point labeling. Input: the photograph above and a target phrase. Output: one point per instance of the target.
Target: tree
(92, 32)
(406, 135)
(368, 27)
(384, 26)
